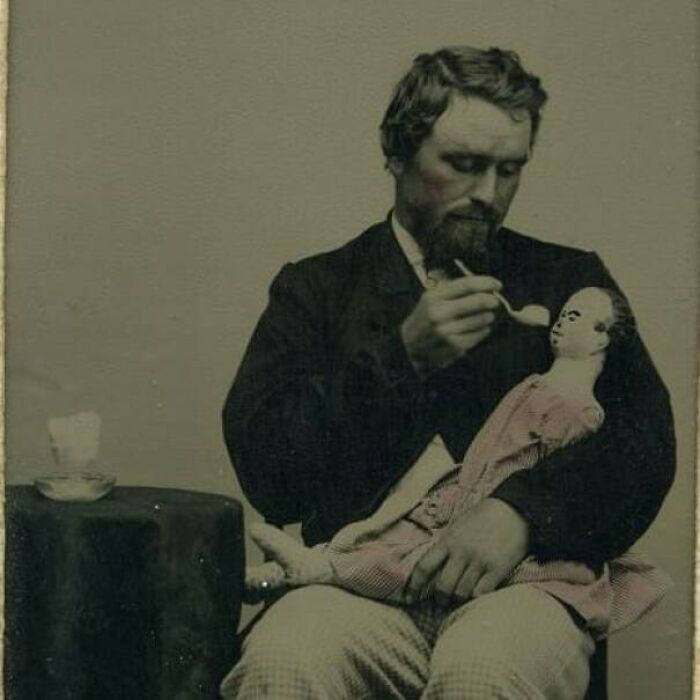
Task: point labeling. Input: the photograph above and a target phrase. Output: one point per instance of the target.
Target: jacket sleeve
(591, 501)
(294, 409)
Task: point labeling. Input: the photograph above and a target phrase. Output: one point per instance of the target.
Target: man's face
(455, 192)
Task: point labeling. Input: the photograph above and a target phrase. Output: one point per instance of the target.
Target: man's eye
(510, 169)
(468, 165)
(600, 327)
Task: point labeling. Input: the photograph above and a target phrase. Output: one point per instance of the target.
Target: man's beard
(465, 235)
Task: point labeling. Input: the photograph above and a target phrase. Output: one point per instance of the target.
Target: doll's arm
(291, 563)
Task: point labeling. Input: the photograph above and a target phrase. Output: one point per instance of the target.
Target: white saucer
(75, 486)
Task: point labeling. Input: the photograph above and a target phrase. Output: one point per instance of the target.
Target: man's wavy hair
(424, 93)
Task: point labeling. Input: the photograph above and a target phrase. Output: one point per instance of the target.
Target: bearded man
(371, 370)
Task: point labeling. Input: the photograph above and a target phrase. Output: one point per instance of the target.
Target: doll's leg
(380, 567)
(301, 565)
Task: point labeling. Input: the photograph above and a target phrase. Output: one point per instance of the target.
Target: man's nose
(484, 189)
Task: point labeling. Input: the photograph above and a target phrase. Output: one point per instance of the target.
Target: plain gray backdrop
(166, 157)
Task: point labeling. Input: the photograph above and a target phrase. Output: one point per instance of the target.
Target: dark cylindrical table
(134, 596)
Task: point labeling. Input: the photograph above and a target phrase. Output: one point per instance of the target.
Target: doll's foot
(263, 581)
(301, 565)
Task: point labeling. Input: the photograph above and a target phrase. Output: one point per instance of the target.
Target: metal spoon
(529, 315)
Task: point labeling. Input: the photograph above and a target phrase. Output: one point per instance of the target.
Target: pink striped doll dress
(531, 421)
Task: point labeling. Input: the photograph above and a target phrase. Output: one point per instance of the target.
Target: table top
(131, 501)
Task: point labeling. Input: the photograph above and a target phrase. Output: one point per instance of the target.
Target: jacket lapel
(395, 283)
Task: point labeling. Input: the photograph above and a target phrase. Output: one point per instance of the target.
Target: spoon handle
(506, 304)
(468, 273)
(463, 268)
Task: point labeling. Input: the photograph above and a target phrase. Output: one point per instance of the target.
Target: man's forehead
(477, 126)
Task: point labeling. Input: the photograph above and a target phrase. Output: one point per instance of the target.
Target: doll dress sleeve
(568, 420)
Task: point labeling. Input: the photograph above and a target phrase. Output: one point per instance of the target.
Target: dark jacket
(327, 412)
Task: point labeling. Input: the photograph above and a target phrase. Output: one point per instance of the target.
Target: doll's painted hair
(623, 326)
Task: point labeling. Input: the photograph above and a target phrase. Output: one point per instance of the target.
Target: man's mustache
(476, 212)
(464, 233)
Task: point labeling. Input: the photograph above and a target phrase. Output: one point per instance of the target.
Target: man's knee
(475, 676)
(275, 667)
(292, 651)
(514, 643)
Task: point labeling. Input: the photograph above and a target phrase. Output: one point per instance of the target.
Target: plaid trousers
(325, 643)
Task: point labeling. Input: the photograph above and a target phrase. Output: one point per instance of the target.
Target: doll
(543, 413)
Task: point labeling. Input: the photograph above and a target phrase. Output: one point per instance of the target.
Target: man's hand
(450, 319)
(474, 555)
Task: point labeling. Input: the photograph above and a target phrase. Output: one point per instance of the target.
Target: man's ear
(395, 166)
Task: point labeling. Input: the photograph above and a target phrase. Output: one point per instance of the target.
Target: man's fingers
(424, 571)
(452, 309)
(466, 341)
(468, 324)
(463, 286)
(487, 583)
(437, 276)
(445, 583)
(440, 312)
(465, 587)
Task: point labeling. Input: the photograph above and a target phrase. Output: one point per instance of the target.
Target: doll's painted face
(582, 327)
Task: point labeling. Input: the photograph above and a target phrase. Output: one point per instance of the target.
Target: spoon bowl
(529, 315)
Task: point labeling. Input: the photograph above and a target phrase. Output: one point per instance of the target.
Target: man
(370, 371)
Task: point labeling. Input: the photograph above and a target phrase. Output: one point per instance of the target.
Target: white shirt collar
(409, 248)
